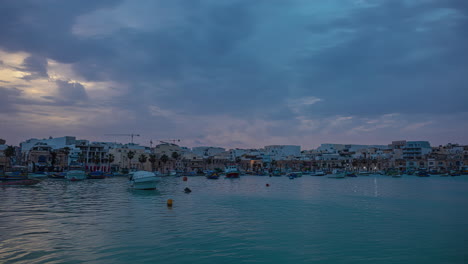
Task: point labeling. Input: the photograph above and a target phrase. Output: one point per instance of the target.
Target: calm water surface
(369, 219)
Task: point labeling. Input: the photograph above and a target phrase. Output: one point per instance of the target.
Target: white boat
(319, 173)
(338, 174)
(75, 175)
(143, 180)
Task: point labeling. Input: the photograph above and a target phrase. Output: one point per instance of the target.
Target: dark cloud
(36, 66)
(250, 59)
(44, 28)
(71, 92)
(8, 97)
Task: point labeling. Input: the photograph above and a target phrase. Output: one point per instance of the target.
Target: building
(207, 151)
(280, 152)
(416, 149)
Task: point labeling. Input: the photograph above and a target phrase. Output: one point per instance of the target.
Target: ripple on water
(372, 219)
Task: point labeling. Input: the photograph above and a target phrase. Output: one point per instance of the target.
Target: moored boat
(17, 177)
(96, 175)
(338, 175)
(143, 180)
(232, 172)
(76, 173)
(212, 175)
(422, 173)
(318, 173)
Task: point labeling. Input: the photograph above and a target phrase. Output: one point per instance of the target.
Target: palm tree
(152, 159)
(142, 159)
(175, 155)
(164, 158)
(110, 159)
(9, 152)
(130, 156)
(66, 151)
(53, 157)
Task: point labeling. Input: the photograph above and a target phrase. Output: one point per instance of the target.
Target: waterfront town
(168, 157)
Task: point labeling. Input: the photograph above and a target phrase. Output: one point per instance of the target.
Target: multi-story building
(280, 152)
(416, 149)
(207, 151)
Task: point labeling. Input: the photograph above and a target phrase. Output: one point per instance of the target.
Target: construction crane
(124, 135)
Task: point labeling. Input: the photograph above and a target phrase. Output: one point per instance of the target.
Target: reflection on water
(374, 219)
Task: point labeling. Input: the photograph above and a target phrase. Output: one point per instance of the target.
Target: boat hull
(25, 182)
(148, 184)
(76, 175)
(232, 175)
(143, 180)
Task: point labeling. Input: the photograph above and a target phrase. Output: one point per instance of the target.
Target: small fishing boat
(96, 175)
(338, 175)
(17, 177)
(57, 175)
(293, 175)
(422, 173)
(350, 174)
(318, 173)
(364, 173)
(212, 175)
(232, 172)
(143, 180)
(76, 173)
(23, 182)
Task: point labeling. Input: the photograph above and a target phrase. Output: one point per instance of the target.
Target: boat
(18, 177)
(293, 175)
(109, 174)
(232, 172)
(57, 175)
(391, 172)
(338, 175)
(143, 180)
(39, 174)
(76, 173)
(212, 175)
(350, 174)
(422, 173)
(96, 175)
(23, 182)
(17, 173)
(318, 173)
(364, 173)
(455, 173)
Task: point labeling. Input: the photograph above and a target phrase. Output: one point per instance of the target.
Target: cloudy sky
(235, 73)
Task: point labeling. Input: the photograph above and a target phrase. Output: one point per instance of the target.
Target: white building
(207, 151)
(280, 152)
(55, 143)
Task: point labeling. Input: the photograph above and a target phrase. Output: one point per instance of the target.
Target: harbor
(309, 219)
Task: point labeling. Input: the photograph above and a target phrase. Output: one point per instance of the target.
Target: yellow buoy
(169, 202)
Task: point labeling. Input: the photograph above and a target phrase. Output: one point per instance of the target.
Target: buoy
(169, 203)
(185, 178)
(267, 185)
(187, 190)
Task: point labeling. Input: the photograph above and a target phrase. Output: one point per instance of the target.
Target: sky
(237, 73)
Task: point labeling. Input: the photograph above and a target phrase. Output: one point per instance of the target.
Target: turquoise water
(369, 219)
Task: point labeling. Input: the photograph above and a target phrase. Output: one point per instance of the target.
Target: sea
(368, 219)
